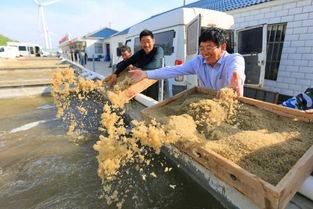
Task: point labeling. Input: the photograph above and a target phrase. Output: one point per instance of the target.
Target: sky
(20, 18)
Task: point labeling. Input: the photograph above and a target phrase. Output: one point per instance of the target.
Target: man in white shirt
(215, 68)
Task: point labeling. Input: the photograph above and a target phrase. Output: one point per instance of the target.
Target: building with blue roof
(103, 33)
(96, 44)
(117, 40)
(275, 38)
(224, 5)
(283, 30)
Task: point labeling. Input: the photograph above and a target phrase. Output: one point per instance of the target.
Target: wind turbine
(41, 14)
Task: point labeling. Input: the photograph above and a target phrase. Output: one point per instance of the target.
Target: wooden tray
(124, 96)
(260, 192)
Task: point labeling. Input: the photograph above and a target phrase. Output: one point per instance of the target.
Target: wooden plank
(257, 92)
(29, 82)
(282, 109)
(276, 98)
(31, 66)
(307, 120)
(293, 180)
(257, 190)
(263, 194)
(120, 98)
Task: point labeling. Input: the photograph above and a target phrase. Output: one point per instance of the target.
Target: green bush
(4, 40)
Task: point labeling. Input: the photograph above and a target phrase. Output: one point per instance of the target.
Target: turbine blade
(50, 2)
(37, 2)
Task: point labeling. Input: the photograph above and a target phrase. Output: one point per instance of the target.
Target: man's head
(125, 52)
(212, 44)
(146, 41)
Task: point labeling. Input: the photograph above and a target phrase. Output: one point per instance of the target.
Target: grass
(4, 40)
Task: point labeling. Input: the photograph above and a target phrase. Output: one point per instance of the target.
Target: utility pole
(184, 2)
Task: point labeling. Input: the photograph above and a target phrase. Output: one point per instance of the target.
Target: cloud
(78, 17)
(94, 15)
(19, 26)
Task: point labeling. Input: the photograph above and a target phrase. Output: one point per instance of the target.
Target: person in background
(82, 57)
(215, 68)
(76, 55)
(86, 58)
(72, 56)
(147, 58)
(303, 101)
(125, 54)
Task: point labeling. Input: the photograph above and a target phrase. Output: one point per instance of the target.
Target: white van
(8, 52)
(177, 32)
(26, 49)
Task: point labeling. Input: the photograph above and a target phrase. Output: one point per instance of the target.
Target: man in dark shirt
(126, 53)
(148, 57)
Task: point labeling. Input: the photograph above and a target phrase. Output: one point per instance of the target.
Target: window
(192, 32)
(137, 46)
(230, 43)
(275, 42)
(163, 39)
(107, 49)
(250, 41)
(37, 49)
(22, 48)
(98, 48)
(31, 50)
(128, 42)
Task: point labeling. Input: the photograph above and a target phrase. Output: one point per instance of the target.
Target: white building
(96, 44)
(280, 39)
(276, 39)
(116, 41)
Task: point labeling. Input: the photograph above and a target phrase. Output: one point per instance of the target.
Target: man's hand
(310, 111)
(235, 84)
(111, 80)
(138, 75)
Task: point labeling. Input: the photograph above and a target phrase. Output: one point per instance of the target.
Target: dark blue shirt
(142, 60)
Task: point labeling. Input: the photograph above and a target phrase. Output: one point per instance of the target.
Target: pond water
(42, 167)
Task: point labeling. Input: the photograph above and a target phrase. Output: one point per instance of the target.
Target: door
(252, 46)
(193, 30)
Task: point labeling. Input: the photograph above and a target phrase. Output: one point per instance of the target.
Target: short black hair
(216, 35)
(125, 48)
(145, 32)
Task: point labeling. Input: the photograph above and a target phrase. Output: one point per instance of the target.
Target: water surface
(41, 167)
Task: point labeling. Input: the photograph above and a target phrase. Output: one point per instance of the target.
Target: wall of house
(106, 42)
(90, 48)
(296, 65)
(114, 44)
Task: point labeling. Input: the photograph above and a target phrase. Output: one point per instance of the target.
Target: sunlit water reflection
(41, 167)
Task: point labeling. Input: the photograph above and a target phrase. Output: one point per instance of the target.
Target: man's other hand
(235, 84)
(138, 75)
(111, 80)
(310, 111)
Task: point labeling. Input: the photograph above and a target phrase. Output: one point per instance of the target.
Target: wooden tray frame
(260, 192)
(131, 91)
